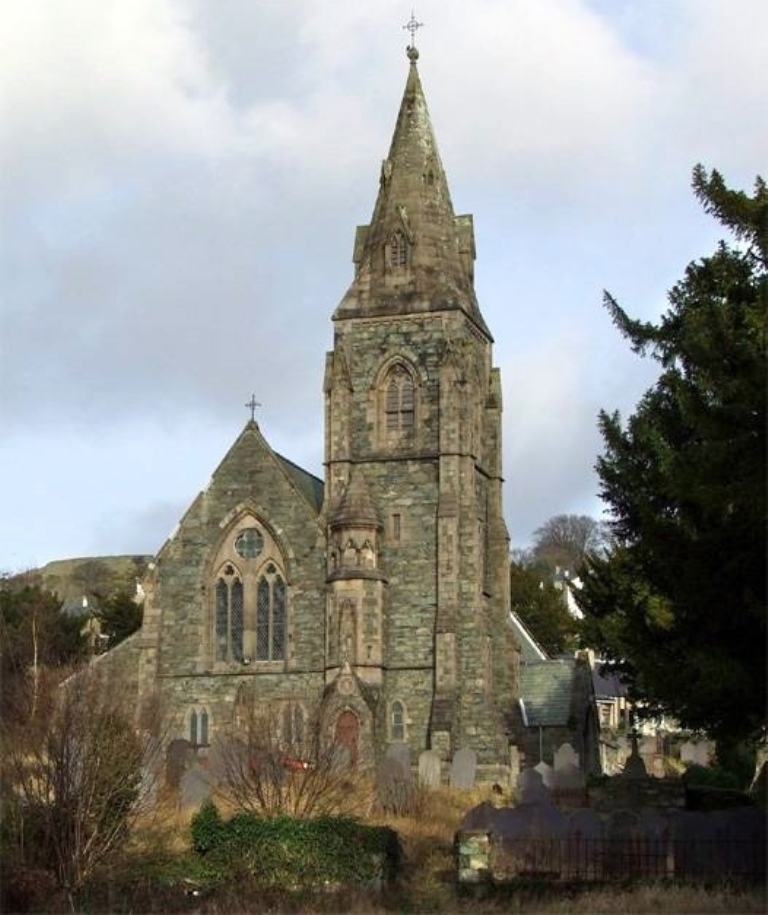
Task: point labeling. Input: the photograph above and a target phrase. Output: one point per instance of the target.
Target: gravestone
(546, 772)
(392, 786)
(531, 789)
(178, 753)
(463, 769)
(195, 786)
(565, 755)
(402, 753)
(696, 752)
(429, 769)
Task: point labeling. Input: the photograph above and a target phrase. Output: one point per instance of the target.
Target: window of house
(399, 401)
(397, 721)
(398, 249)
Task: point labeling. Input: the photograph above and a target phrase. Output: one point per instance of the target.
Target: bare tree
(276, 762)
(74, 777)
(565, 541)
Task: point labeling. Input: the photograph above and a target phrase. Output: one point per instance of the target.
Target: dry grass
(428, 883)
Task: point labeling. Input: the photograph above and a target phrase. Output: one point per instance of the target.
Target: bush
(294, 853)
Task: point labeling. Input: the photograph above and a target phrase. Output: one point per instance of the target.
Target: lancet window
(270, 616)
(399, 401)
(397, 721)
(198, 728)
(230, 615)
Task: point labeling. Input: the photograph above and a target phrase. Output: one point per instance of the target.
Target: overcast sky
(181, 181)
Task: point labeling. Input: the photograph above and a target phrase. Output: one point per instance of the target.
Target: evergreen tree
(541, 605)
(120, 616)
(678, 602)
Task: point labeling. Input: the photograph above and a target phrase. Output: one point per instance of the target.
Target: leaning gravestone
(463, 769)
(429, 769)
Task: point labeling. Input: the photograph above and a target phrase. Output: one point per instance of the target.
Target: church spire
(416, 255)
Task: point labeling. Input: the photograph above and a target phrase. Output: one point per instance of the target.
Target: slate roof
(310, 486)
(546, 688)
(606, 685)
(530, 650)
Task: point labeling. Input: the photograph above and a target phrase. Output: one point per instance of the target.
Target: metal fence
(575, 858)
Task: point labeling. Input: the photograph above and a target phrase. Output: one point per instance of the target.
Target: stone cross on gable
(252, 404)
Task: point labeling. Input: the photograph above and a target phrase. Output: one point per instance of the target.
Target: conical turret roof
(355, 507)
(416, 255)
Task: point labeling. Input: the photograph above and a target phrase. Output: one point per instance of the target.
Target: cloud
(181, 183)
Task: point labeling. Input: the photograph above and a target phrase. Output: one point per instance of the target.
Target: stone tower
(417, 582)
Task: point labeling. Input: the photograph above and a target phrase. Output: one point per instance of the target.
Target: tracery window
(270, 616)
(399, 403)
(398, 249)
(249, 598)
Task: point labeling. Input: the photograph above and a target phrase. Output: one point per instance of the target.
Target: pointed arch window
(230, 618)
(270, 616)
(399, 401)
(249, 596)
(398, 249)
(198, 728)
(397, 721)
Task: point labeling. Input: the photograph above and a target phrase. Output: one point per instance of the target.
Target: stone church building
(376, 602)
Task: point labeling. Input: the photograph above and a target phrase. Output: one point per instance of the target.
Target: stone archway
(348, 733)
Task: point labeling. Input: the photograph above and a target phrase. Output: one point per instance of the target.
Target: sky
(179, 189)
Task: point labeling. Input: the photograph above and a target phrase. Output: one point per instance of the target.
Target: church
(374, 603)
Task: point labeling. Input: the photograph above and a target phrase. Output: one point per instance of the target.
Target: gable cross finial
(413, 26)
(252, 404)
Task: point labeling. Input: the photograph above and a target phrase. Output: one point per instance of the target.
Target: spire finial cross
(252, 404)
(413, 26)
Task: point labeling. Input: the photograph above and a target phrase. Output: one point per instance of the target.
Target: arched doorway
(347, 734)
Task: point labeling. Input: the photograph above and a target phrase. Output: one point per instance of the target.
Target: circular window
(249, 543)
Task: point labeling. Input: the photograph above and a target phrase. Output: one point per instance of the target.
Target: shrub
(294, 853)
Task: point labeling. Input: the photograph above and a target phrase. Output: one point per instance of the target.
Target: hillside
(88, 575)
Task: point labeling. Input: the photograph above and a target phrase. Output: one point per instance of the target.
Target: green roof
(546, 689)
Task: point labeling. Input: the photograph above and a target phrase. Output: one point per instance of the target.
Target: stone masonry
(381, 596)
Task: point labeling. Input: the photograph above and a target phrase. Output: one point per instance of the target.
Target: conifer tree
(678, 602)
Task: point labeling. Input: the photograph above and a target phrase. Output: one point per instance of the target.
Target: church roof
(309, 485)
(546, 690)
(413, 203)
